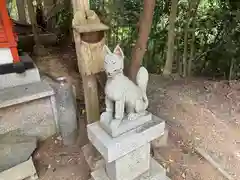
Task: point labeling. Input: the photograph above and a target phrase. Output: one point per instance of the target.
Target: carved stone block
(114, 148)
(125, 126)
(131, 165)
(156, 172)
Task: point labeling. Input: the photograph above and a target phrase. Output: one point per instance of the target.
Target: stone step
(23, 171)
(30, 108)
(24, 93)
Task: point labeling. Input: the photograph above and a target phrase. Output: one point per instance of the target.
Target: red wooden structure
(7, 37)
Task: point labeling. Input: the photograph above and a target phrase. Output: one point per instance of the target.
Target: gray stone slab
(34, 118)
(25, 170)
(126, 124)
(156, 172)
(131, 165)
(24, 93)
(114, 148)
(15, 148)
(14, 79)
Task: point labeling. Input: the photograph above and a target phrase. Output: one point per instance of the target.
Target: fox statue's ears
(118, 51)
(106, 49)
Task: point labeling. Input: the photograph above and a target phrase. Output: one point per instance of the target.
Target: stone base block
(161, 141)
(126, 124)
(131, 165)
(93, 157)
(25, 170)
(114, 148)
(156, 172)
(30, 108)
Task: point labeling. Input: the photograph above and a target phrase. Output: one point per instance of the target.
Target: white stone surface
(131, 165)
(5, 56)
(161, 141)
(156, 172)
(126, 125)
(114, 148)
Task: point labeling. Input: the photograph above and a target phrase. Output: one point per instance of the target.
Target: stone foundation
(127, 156)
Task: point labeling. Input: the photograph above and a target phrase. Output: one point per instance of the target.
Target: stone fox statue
(121, 93)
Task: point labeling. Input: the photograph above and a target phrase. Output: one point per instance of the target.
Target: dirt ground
(200, 114)
(204, 115)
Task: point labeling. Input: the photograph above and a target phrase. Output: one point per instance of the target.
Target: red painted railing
(7, 38)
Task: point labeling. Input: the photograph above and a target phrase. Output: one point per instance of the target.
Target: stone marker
(67, 116)
(126, 130)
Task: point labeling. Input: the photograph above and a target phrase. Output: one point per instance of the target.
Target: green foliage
(216, 27)
(64, 20)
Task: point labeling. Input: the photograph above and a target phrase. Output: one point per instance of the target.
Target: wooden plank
(91, 28)
(91, 98)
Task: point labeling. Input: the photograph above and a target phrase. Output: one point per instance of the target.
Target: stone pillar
(127, 156)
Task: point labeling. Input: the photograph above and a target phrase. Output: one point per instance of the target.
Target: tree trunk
(48, 6)
(192, 47)
(178, 58)
(231, 69)
(144, 30)
(192, 51)
(32, 17)
(185, 51)
(21, 11)
(171, 38)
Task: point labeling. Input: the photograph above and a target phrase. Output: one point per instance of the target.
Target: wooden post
(89, 81)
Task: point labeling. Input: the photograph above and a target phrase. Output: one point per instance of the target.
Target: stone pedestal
(127, 156)
(30, 108)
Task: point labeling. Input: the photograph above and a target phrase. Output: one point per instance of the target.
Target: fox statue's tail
(142, 81)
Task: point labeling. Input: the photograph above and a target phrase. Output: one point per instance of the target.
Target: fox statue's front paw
(133, 116)
(115, 123)
(106, 116)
